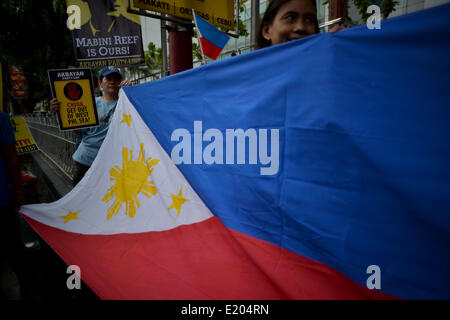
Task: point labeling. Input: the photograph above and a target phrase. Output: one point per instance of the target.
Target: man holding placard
(110, 81)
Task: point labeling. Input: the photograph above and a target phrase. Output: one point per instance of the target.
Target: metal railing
(144, 79)
(57, 146)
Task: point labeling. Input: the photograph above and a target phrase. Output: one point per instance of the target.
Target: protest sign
(108, 35)
(75, 90)
(24, 140)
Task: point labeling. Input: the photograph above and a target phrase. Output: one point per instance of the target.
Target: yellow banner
(24, 140)
(217, 12)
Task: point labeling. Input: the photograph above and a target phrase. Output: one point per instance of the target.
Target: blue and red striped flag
(212, 40)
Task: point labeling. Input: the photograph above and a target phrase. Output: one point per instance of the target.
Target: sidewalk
(48, 272)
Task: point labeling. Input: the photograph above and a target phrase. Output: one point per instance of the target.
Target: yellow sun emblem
(130, 181)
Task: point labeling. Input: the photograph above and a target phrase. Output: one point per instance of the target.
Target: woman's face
(294, 20)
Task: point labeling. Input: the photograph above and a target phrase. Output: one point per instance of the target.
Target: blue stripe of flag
(211, 33)
(363, 177)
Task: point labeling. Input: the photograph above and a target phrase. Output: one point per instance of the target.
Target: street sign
(217, 12)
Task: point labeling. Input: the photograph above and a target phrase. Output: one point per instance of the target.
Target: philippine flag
(212, 41)
(137, 229)
(293, 172)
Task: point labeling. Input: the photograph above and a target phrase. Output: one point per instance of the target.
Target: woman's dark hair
(268, 17)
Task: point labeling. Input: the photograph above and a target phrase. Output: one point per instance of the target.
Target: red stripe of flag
(209, 49)
(204, 260)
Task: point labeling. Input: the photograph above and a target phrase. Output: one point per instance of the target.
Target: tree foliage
(35, 38)
(153, 56)
(242, 28)
(196, 52)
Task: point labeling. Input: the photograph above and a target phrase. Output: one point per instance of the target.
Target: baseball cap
(105, 71)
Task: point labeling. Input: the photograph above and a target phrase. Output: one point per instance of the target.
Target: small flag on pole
(212, 40)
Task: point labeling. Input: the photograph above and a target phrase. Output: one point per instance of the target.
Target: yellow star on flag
(126, 119)
(178, 201)
(70, 216)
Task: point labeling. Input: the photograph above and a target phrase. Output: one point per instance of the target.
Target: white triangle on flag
(84, 210)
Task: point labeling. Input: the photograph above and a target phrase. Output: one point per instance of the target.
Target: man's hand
(55, 104)
(125, 83)
(335, 28)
